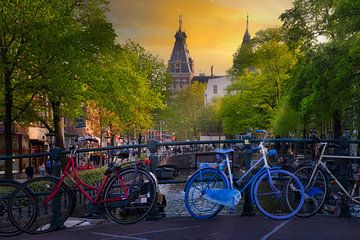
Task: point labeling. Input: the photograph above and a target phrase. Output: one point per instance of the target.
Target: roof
(204, 79)
(180, 60)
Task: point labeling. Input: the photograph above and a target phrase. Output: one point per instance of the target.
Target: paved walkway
(219, 228)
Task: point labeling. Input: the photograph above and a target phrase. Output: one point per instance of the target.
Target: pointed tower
(246, 38)
(180, 65)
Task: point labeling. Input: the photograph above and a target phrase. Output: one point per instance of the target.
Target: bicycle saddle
(223, 151)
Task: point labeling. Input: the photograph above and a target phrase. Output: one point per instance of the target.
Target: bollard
(155, 213)
(343, 177)
(56, 171)
(248, 209)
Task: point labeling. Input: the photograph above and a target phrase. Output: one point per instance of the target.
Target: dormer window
(215, 89)
(177, 67)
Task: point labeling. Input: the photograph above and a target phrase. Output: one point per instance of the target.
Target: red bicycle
(127, 196)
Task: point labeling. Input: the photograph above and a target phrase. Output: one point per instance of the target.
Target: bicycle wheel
(50, 215)
(195, 187)
(7, 229)
(315, 191)
(139, 187)
(278, 194)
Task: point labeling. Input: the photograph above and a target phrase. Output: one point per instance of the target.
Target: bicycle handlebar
(262, 131)
(83, 139)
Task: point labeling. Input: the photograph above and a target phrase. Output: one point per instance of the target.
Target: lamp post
(50, 138)
(161, 123)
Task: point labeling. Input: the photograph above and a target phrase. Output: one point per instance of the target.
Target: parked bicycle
(127, 196)
(7, 187)
(277, 193)
(316, 183)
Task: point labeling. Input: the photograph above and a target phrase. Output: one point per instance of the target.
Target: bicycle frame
(321, 163)
(76, 180)
(265, 168)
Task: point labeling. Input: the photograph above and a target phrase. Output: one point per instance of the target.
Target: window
(215, 89)
(177, 67)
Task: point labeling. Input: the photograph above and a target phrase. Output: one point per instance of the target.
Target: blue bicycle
(277, 193)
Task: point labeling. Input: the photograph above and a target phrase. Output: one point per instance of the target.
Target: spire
(247, 22)
(246, 38)
(180, 22)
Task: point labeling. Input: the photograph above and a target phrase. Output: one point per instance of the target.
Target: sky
(215, 28)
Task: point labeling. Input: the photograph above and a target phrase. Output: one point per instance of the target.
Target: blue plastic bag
(224, 196)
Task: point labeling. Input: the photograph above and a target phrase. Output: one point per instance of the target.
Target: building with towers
(180, 65)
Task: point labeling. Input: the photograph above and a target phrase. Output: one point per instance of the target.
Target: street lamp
(50, 138)
(161, 123)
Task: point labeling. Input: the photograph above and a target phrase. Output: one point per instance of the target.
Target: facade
(216, 87)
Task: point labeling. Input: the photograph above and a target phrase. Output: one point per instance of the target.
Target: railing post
(56, 171)
(344, 169)
(153, 147)
(155, 212)
(248, 209)
(55, 159)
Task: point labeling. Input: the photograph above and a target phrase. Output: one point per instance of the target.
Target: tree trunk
(8, 123)
(337, 124)
(59, 130)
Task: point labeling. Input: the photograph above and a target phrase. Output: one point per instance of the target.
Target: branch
(46, 125)
(24, 108)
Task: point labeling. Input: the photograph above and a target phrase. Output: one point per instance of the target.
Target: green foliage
(307, 21)
(135, 80)
(286, 121)
(259, 84)
(210, 118)
(325, 82)
(92, 177)
(185, 110)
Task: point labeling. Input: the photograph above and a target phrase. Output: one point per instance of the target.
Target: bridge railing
(295, 150)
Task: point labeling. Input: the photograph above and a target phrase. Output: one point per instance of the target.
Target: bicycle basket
(214, 165)
(224, 196)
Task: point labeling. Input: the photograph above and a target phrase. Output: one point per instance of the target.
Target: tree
(135, 79)
(210, 119)
(25, 28)
(324, 83)
(308, 21)
(184, 111)
(257, 90)
(50, 57)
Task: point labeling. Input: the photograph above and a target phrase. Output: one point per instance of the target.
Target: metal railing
(159, 152)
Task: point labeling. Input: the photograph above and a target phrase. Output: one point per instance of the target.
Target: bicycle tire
(315, 193)
(49, 216)
(278, 205)
(195, 203)
(7, 229)
(141, 192)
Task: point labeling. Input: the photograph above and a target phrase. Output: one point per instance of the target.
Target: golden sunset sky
(215, 28)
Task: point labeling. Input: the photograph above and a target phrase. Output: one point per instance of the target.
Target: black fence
(170, 158)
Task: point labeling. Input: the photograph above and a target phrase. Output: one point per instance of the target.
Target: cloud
(213, 27)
